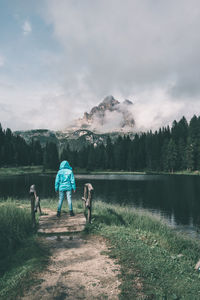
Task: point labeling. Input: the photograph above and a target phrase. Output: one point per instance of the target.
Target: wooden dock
(49, 223)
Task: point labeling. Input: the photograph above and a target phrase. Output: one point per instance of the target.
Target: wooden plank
(50, 223)
(62, 230)
(81, 221)
(61, 225)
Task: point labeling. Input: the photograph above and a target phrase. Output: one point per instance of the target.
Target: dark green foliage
(36, 153)
(171, 156)
(189, 154)
(109, 160)
(91, 159)
(51, 159)
(14, 151)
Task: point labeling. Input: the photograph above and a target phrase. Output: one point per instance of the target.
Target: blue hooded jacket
(65, 180)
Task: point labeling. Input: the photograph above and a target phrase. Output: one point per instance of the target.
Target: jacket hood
(65, 165)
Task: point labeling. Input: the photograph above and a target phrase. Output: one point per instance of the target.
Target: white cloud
(130, 45)
(154, 109)
(146, 51)
(27, 28)
(2, 61)
(131, 48)
(111, 122)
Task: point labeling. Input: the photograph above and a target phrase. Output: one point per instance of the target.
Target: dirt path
(78, 269)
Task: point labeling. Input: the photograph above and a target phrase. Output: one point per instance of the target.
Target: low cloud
(111, 122)
(27, 28)
(2, 61)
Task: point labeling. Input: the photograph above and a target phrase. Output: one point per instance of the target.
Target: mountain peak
(110, 100)
(109, 116)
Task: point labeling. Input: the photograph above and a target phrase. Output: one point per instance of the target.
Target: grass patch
(105, 172)
(183, 172)
(22, 170)
(21, 252)
(22, 267)
(8, 171)
(150, 252)
(15, 227)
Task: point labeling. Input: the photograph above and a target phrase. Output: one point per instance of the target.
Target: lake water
(174, 196)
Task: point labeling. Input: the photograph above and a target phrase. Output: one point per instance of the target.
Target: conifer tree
(109, 158)
(172, 155)
(189, 154)
(51, 160)
(91, 159)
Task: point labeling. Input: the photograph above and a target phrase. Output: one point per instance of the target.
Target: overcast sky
(61, 58)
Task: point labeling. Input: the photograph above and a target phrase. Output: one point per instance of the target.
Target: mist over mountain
(109, 116)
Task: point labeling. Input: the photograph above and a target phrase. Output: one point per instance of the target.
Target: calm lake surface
(174, 196)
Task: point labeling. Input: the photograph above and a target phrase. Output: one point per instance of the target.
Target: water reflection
(175, 197)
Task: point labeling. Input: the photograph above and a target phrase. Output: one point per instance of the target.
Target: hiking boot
(71, 213)
(58, 214)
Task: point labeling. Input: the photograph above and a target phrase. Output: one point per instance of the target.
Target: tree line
(14, 151)
(168, 149)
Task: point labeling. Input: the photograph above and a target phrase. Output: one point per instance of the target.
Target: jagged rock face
(108, 104)
(109, 116)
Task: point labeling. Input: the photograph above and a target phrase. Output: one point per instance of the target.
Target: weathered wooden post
(87, 198)
(32, 193)
(35, 203)
(84, 196)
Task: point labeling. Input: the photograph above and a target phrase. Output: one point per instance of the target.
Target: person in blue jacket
(65, 183)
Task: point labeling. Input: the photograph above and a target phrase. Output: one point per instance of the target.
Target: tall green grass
(156, 261)
(15, 227)
(21, 253)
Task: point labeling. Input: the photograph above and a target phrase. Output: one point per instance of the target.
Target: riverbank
(23, 170)
(10, 171)
(156, 261)
(184, 172)
(149, 252)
